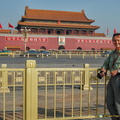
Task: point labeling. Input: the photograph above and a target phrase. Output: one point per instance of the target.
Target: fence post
(95, 55)
(42, 55)
(28, 55)
(4, 80)
(13, 55)
(69, 54)
(56, 55)
(31, 90)
(87, 78)
(83, 55)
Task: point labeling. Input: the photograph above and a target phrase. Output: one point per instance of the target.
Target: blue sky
(106, 13)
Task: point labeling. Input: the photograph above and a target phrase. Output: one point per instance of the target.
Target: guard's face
(116, 41)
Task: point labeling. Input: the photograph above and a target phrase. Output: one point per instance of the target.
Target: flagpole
(11, 26)
(107, 31)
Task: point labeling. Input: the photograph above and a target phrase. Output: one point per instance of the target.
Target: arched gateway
(61, 47)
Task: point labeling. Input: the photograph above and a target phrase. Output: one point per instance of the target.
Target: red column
(93, 33)
(86, 32)
(64, 32)
(46, 31)
(72, 32)
(54, 31)
(38, 31)
(79, 32)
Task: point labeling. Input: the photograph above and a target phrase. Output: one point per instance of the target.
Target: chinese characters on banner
(92, 41)
(30, 39)
(61, 40)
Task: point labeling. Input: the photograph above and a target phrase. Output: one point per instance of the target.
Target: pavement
(50, 62)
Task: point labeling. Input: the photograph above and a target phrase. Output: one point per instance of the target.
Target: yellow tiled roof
(100, 34)
(56, 15)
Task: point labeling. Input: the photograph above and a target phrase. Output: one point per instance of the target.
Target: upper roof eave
(57, 25)
(88, 21)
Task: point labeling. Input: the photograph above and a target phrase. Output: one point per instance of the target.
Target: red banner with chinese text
(30, 39)
(92, 41)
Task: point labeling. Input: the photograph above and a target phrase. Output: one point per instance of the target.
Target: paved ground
(51, 62)
(76, 102)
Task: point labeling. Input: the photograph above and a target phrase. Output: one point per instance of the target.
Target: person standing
(112, 63)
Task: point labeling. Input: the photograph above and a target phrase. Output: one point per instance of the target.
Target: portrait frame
(61, 40)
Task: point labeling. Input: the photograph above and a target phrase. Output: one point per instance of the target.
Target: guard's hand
(114, 72)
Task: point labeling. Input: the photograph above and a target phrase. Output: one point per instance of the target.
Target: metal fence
(51, 93)
(64, 53)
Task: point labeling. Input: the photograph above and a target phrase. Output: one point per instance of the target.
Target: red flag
(1, 26)
(115, 30)
(9, 25)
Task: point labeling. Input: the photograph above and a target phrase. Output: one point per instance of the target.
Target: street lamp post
(25, 36)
